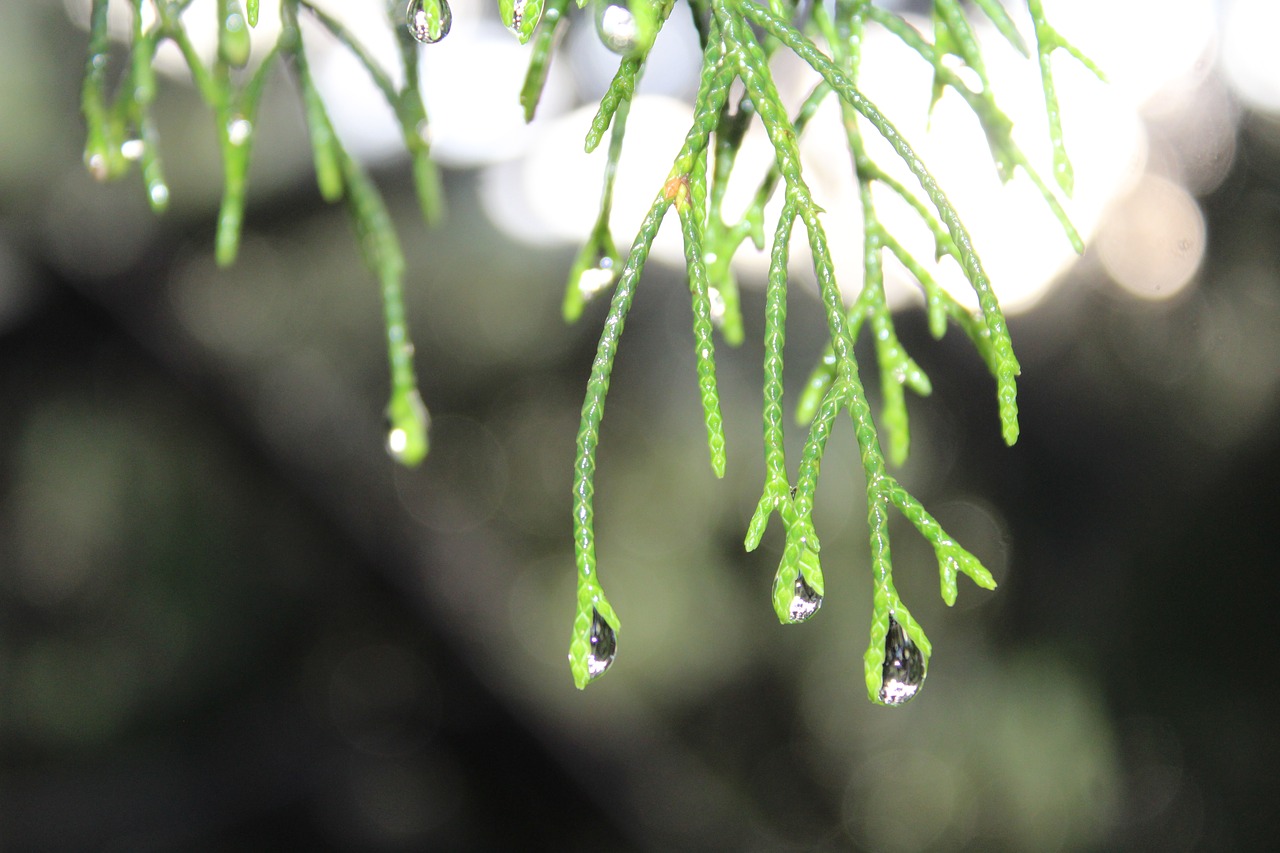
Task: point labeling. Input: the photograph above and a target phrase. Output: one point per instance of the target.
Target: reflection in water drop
(903, 671)
(517, 16)
(604, 645)
(131, 149)
(617, 27)
(429, 20)
(805, 602)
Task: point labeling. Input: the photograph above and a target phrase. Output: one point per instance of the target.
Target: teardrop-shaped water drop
(429, 20)
(903, 671)
(805, 602)
(604, 645)
(617, 27)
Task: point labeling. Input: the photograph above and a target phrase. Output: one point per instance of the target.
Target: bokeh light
(1155, 241)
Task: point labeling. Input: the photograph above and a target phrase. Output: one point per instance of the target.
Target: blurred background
(229, 622)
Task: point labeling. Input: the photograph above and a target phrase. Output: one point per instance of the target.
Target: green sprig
(739, 39)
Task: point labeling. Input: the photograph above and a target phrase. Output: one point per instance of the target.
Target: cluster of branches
(736, 89)
(738, 37)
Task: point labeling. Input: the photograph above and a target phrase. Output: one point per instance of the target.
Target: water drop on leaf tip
(617, 27)
(239, 130)
(805, 602)
(718, 307)
(604, 646)
(903, 670)
(429, 20)
(595, 279)
(97, 165)
(407, 441)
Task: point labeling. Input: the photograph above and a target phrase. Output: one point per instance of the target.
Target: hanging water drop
(97, 165)
(903, 671)
(238, 130)
(233, 41)
(597, 278)
(718, 306)
(408, 422)
(604, 646)
(429, 20)
(131, 149)
(805, 602)
(617, 27)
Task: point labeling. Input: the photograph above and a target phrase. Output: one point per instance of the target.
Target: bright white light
(1154, 52)
(1143, 46)
(553, 197)
(1249, 52)
(553, 194)
(397, 441)
(471, 85)
(1022, 246)
(357, 108)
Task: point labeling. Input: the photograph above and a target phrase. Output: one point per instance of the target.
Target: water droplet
(159, 194)
(716, 298)
(234, 43)
(429, 20)
(604, 646)
(131, 149)
(617, 27)
(97, 165)
(805, 602)
(597, 278)
(238, 130)
(407, 428)
(903, 671)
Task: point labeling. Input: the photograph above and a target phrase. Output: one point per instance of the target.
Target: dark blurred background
(229, 622)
